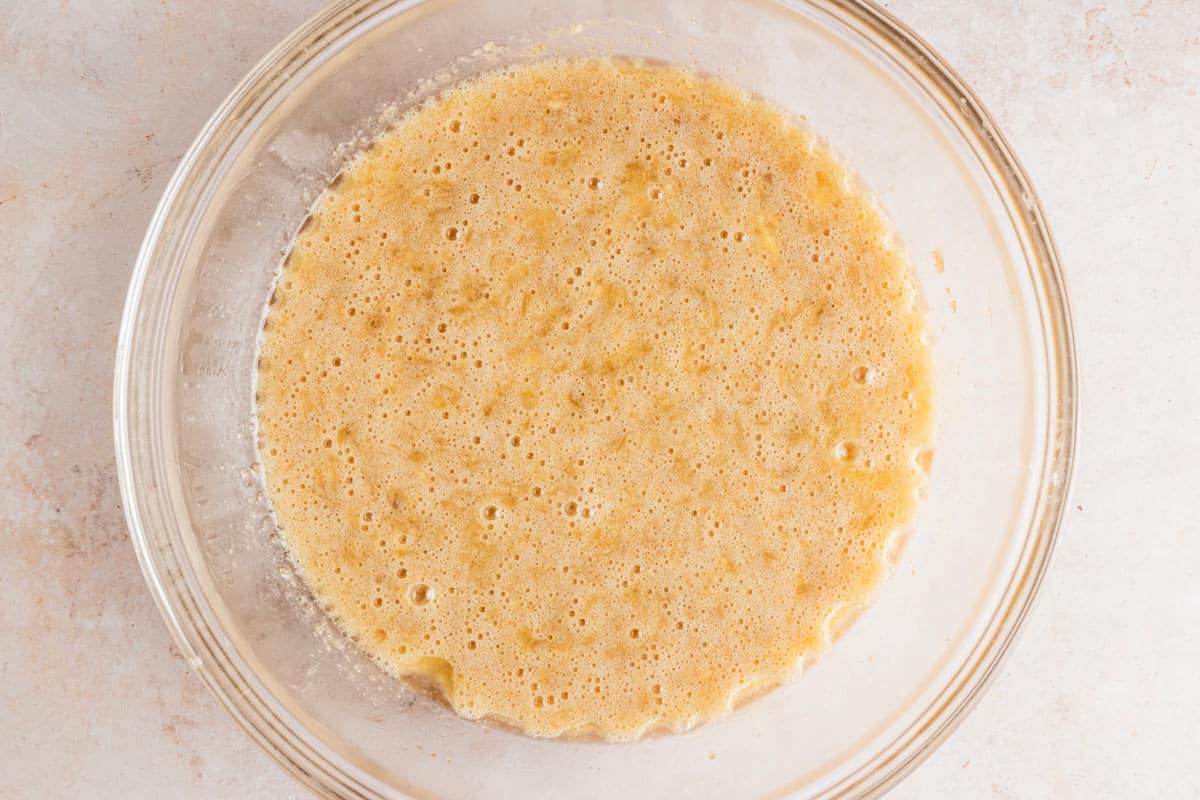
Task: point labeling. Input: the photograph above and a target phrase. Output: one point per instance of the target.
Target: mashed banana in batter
(592, 395)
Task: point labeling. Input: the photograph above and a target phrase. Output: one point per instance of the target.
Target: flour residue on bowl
(592, 394)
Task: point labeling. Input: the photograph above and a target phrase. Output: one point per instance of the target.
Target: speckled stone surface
(1100, 697)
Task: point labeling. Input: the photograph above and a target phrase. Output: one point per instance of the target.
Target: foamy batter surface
(591, 393)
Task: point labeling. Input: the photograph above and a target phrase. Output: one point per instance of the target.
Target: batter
(592, 395)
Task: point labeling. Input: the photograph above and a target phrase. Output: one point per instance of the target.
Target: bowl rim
(284, 738)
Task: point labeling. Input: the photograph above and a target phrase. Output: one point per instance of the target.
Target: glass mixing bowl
(892, 687)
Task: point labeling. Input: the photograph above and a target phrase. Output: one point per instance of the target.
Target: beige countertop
(1100, 697)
